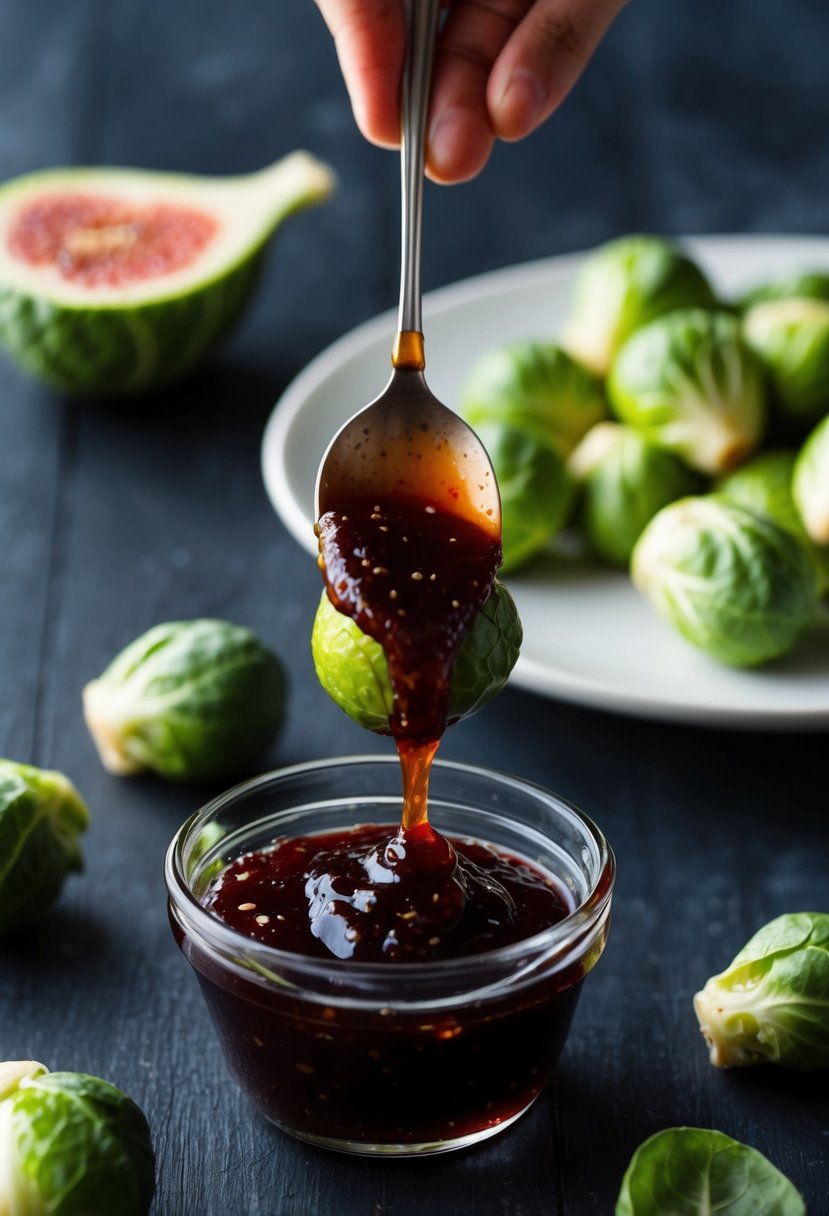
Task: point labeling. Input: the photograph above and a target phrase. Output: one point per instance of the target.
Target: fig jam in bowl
(433, 1034)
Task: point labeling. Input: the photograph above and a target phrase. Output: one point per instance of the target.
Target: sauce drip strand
(413, 578)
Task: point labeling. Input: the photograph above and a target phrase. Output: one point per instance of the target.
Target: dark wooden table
(704, 117)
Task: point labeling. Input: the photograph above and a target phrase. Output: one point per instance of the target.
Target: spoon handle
(417, 75)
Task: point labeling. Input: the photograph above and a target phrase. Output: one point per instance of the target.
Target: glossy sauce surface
(370, 894)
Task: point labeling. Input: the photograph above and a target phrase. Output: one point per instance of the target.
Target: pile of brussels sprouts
(684, 437)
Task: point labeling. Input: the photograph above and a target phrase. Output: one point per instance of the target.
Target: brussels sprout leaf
(690, 1171)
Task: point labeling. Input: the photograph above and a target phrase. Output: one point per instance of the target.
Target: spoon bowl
(406, 443)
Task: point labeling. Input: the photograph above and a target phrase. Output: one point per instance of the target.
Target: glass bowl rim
(560, 938)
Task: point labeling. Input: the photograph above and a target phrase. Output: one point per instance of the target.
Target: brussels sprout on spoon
(353, 669)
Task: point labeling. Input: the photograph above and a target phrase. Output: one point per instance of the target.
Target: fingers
(460, 134)
(501, 68)
(370, 38)
(542, 60)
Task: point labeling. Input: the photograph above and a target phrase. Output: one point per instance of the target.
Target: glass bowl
(392, 1058)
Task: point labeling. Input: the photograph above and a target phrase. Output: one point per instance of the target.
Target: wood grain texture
(115, 517)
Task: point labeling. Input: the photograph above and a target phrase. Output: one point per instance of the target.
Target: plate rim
(528, 673)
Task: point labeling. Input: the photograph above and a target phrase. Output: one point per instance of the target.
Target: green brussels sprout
(621, 287)
(791, 337)
(810, 484)
(625, 479)
(71, 1145)
(764, 486)
(690, 384)
(733, 583)
(534, 383)
(772, 1003)
(190, 700)
(804, 285)
(536, 490)
(352, 667)
(41, 817)
(694, 1171)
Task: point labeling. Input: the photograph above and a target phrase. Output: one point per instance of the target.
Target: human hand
(501, 68)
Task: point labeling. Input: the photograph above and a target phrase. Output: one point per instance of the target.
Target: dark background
(695, 117)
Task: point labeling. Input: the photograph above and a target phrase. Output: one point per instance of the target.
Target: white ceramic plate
(588, 637)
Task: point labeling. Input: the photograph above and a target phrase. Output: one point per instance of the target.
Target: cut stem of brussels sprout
(622, 286)
(71, 1143)
(810, 483)
(690, 384)
(625, 480)
(772, 1003)
(190, 700)
(791, 337)
(13, 1072)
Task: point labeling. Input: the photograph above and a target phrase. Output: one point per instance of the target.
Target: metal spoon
(406, 443)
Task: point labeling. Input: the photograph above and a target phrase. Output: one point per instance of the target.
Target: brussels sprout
(536, 489)
(625, 481)
(733, 583)
(352, 667)
(690, 384)
(71, 1145)
(190, 700)
(764, 486)
(772, 1002)
(534, 383)
(41, 817)
(621, 287)
(791, 337)
(805, 285)
(810, 484)
(691, 1171)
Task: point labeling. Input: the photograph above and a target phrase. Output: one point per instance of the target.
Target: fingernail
(521, 105)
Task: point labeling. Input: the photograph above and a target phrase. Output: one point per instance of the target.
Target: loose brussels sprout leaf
(352, 667)
(690, 384)
(191, 700)
(772, 1002)
(71, 1145)
(536, 489)
(733, 583)
(538, 384)
(625, 480)
(807, 285)
(41, 817)
(791, 337)
(691, 1171)
(764, 485)
(810, 483)
(621, 287)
